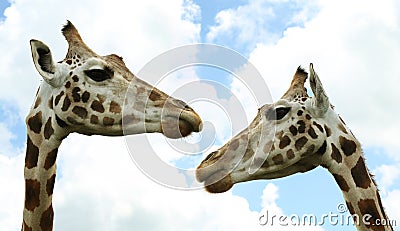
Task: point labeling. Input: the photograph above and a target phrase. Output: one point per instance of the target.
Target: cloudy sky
(353, 45)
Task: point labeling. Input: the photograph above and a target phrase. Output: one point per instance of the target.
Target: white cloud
(272, 217)
(100, 188)
(242, 23)
(357, 63)
(387, 175)
(12, 191)
(257, 20)
(391, 202)
(5, 140)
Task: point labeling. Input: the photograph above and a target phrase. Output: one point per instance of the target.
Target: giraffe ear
(44, 64)
(320, 101)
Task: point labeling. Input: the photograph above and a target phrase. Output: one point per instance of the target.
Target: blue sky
(3, 5)
(276, 36)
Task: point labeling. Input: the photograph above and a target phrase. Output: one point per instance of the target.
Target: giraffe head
(286, 137)
(93, 94)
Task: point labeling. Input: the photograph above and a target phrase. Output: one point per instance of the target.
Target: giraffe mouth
(219, 186)
(177, 127)
(217, 182)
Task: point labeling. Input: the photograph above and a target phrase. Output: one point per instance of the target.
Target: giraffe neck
(347, 165)
(44, 136)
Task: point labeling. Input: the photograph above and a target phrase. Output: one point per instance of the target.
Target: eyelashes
(100, 75)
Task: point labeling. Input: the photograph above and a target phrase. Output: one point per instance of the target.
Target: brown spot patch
(368, 207)
(360, 174)
(48, 129)
(336, 155)
(348, 146)
(80, 111)
(73, 121)
(50, 159)
(32, 154)
(97, 106)
(328, 131)
(50, 184)
(279, 135)
(272, 148)
(299, 112)
(101, 98)
(310, 150)
(341, 182)
(285, 141)
(290, 154)
(75, 78)
(37, 102)
(68, 84)
(350, 207)
(85, 96)
(308, 116)
(94, 119)
(66, 103)
(321, 150)
(46, 221)
(300, 142)
(278, 159)
(311, 132)
(114, 107)
(58, 97)
(61, 122)
(35, 122)
(51, 103)
(302, 126)
(267, 147)
(69, 61)
(234, 144)
(25, 227)
(107, 121)
(293, 130)
(75, 94)
(32, 191)
(318, 126)
(155, 95)
(265, 164)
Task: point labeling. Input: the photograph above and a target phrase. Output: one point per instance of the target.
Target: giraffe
(87, 93)
(295, 134)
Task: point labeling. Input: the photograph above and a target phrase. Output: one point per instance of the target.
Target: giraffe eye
(99, 75)
(277, 113)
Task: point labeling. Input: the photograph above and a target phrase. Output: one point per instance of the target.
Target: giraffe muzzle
(182, 126)
(176, 128)
(218, 182)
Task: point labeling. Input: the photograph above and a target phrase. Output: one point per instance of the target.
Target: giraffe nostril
(209, 156)
(187, 107)
(182, 104)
